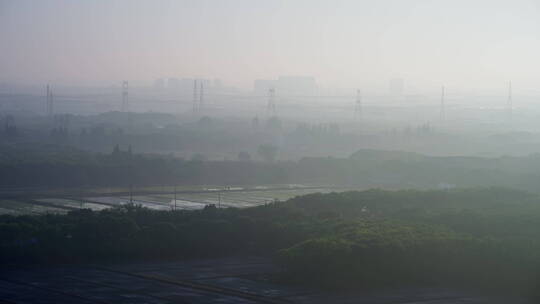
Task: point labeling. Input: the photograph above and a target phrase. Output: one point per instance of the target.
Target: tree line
(484, 238)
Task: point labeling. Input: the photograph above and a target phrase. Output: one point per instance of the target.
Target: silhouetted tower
(50, 101)
(47, 99)
(255, 123)
(125, 96)
(271, 107)
(10, 128)
(358, 104)
(195, 98)
(509, 105)
(61, 123)
(10, 121)
(442, 104)
(201, 97)
(60, 130)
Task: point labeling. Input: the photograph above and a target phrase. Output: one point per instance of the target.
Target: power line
(175, 197)
(195, 98)
(509, 103)
(125, 96)
(201, 97)
(50, 101)
(271, 106)
(358, 104)
(442, 104)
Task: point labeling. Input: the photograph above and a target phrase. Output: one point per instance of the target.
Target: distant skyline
(463, 44)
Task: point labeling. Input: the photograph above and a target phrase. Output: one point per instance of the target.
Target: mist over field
(269, 151)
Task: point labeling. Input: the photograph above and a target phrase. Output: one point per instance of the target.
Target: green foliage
(56, 166)
(482, 238)
(25, 165)
(479, 238)
(268, 152)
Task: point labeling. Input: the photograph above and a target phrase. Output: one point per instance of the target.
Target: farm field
(20, 207)
(163, 199)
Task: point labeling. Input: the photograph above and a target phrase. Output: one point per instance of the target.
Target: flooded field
(163, 199)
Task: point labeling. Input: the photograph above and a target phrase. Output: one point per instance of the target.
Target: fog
(466, 45)
(270, 151)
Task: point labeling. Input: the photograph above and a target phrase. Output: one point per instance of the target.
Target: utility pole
(442, 104)
(49, 101)
(509, 103)
(358, 104)
(174, 197)
(219, 199)
(201, 97)
(271, 107)
(125, 96)
(82, 198)
(195, 97)
(130, 175)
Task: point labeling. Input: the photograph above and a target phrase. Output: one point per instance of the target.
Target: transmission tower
(50, 101)
(125, 96)
(10, 128)
(10, 123)
(61, 122)
(358, 104)
(201, 97)
(271, 107)
(509, 104)
(195, 98)
(442, 104)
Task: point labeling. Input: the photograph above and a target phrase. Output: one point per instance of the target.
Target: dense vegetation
(59, 166)
(184, 135)
(482, 238)
(63, 167)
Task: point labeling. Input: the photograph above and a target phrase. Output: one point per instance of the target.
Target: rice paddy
(186, 199)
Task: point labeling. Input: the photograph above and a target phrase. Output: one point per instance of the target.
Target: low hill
(484, 238)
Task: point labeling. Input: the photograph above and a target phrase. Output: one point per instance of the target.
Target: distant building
(186, 85)
(217, 83)
(207, 83)
(396, 86)
(287, 85)
(173, 83)
(159, 83)
(297, 85)
(261, 86)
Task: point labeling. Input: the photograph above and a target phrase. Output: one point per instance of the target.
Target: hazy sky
(468, 43)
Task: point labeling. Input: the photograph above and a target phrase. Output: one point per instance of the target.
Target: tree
(198, 157)
(273, 123)
(244, 156)
(268, 152)
(205, 122)
(116, 150)
(255, 123)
